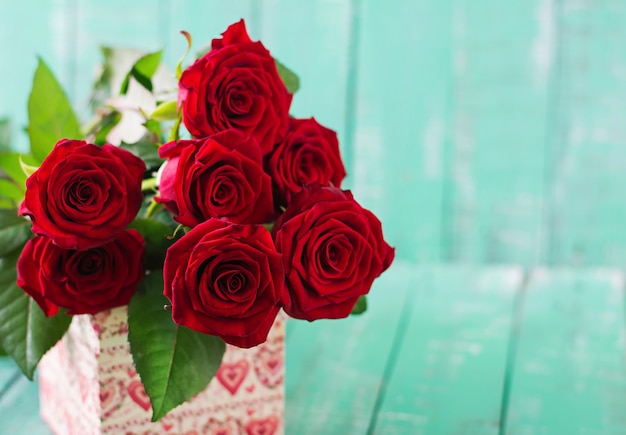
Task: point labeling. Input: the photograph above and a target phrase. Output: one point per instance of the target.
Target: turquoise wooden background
(479, 131)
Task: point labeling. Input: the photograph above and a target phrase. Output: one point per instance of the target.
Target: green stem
(153, 209)
(148, 184)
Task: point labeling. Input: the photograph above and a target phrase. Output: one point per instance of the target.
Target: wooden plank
(26, 31)
(570, 374)
(313, 39)
(8, 373)
(399, 149)
(588, 170)
(205, 20)
(19, 408)
(501, 84)
(448, 378)
(335, 367)
(140, 24)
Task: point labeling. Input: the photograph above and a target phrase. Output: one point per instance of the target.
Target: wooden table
(446, 350)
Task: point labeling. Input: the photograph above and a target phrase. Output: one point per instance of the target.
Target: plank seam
(351, 83)
(12, 380)
(514, 336)
(390, 365)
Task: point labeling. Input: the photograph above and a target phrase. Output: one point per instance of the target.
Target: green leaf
(154, 127)
(105, 125)
(50, 115)
(290, 79)
(145, 150)
(5, 134)
(173, 362)
(10, 191)
(143, 70)
(157, 237)
(167, 111)
(10, 164)
(117, 62)
(26, 333)
(360, 307)
(14, 231)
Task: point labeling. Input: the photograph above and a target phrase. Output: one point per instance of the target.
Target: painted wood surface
(446, 350)
(449, 370)
(480, 132)
(569, 375)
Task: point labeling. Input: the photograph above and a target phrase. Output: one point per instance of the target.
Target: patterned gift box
(88, 385)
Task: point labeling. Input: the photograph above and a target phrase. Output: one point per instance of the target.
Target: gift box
(88, 385)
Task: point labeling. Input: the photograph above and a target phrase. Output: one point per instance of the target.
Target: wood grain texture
(8, 373)
(449, 374)
(399, 145)
(19, 408)
(569, 375)
(499, 107)
(139, 24)
(336, 368)
(587, 137)
(204, 20)
(28, 30)
(292, 31)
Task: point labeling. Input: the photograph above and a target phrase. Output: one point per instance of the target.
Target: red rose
(83, 195)
(309, 153)
(84, 282)
(220, 176)
(224, 279)
(235, 85)
(332, 248)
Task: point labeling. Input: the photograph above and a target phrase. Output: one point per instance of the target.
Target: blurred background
(479, 131)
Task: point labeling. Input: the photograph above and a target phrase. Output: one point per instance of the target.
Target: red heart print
(107, 394)
(266, 426)
(227, 427)
(269, 367)
(110, 397)
(231, 376)
(138, 394)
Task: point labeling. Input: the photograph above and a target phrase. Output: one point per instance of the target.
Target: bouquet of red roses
(205, 238)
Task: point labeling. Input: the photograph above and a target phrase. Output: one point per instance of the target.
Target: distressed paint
(336, 367)
(449, 373)
(475, 133)
(436, 353)
(588, 136)
(569, 375)
(399, 145)
(498, 114)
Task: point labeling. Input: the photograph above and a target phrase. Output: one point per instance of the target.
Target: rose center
(81, 193)
(90, 263)
(334, 255)
(239, 101)
(231, 282)
(310, 167)
(222, 192)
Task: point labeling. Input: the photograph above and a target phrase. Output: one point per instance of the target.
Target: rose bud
(332, 249)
